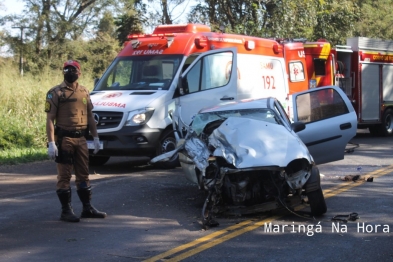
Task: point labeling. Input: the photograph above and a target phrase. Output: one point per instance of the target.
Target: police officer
(69, 119)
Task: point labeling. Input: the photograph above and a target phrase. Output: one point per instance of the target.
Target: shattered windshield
(264, 114)
(140, 73)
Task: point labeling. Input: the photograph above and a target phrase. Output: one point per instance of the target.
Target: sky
(10, 6)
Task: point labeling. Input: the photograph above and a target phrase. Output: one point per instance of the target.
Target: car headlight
(139, 117)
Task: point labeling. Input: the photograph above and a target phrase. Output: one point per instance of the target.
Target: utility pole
(21, 48)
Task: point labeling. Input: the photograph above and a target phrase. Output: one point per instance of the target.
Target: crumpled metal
(245, 142)
(198, 152)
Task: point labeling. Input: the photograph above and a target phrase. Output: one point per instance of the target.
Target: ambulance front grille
(107, 119)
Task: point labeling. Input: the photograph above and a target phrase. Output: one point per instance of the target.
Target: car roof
(240, 104)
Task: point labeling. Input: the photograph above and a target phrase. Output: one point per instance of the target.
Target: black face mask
(71, 77)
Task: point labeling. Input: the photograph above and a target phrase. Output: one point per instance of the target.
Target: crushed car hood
(247, 143)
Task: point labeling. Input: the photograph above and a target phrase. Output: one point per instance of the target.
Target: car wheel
(317, 202)
(167, 143)
(387, 124)
(98, 160)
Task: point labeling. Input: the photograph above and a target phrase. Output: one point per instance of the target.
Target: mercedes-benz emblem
(96, 118)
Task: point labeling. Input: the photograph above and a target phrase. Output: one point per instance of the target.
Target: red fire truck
(363, 68)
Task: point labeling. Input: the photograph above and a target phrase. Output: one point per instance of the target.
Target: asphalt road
(154, 215)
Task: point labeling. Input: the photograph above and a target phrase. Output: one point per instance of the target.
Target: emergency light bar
(289, 40)
(170, 37)
(185, 28)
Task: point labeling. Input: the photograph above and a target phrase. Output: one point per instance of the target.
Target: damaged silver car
(250, 158)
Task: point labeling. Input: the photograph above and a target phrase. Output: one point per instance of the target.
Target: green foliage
(376, 19)
(101, 51)
(127, 24)
(130, 22)
(292, 19)
(335, 21)
(312, 19)
(22, 155)
(107, 25)
(11, 136)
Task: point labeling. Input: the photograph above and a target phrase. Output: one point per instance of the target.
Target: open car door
(330, 120)
(209, 80)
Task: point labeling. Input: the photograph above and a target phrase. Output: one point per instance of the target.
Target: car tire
(386, 128)
(167, 143)
(98, 160)
(317, 202)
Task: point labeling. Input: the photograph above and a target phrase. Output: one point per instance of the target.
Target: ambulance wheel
(317, 202)
(387, 124)
(167, 143)
(98, 160)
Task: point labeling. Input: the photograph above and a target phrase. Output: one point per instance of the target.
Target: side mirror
(182, 86)
(298, 126)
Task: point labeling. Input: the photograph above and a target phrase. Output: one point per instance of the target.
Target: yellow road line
(348, 185)
(199, 241)
(241, 228)
(222, 239)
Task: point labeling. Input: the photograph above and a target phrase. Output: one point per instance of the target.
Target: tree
(376, 19)
(290, 19)
(336, 20)
(53, 22)
(107, 25)
(312, 19)
(131, 20)
(236, 16)
(165, 12)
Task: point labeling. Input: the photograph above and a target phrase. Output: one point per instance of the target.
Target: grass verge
(15, 156)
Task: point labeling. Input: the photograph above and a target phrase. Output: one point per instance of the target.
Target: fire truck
(137, 95)
(363, 68)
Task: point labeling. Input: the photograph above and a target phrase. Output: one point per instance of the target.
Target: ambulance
(178, 70)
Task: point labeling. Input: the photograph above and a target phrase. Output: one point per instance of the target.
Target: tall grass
(22, 116)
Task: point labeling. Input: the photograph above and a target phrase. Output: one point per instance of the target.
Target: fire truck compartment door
(330, 120)
(387, 83)
(370, 92)
(210, 79)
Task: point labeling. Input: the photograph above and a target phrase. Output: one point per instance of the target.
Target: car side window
(193, 79)
(319, 105)
(210, 72)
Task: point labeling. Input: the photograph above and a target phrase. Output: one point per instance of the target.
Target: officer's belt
(72, 134)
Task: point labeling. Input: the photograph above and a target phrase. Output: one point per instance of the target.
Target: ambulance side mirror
(182, 86)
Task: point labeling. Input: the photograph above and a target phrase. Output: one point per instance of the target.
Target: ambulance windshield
(140, 73)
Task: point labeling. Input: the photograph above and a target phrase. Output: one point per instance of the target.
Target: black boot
(67, 214)
(88, 210)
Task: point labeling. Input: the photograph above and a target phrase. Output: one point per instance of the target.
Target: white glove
(96, 145)
(52, 150)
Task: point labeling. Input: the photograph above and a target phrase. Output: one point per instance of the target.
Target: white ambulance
(137, 95)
